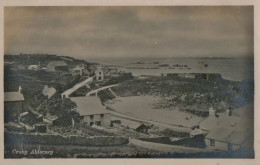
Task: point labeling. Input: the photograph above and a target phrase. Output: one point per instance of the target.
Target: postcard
(129, 82)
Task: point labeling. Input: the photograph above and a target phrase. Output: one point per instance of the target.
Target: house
(48, 91)
(99, 73)
(197, 132)
(92, 111)
(134, 126)
(13, 104)
(29, 118)
(228, 132)
(78, 70)
(57, 66)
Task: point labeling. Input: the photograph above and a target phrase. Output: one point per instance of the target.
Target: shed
(13, 105)
(136, 126)
(48, 91)
(164, 74)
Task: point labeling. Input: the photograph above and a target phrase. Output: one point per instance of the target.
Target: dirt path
(76, 87)
(100, 89)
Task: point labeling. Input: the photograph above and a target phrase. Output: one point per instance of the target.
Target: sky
(107, 32)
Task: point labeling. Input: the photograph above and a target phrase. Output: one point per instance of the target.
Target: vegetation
(169, 133)
(105, 95)
(32, 84)
(191, 95)
(119, 79)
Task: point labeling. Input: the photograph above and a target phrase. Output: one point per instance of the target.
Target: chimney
(20, 89)
(212, 112)
(228, 112)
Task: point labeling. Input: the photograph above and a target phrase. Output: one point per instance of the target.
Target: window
(102, 115)
(99, 78)
(99, 73)
(91, 116)
(212, 142)
(98, 123)
(91, 123)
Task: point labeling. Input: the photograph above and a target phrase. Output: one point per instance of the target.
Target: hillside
(191, 95)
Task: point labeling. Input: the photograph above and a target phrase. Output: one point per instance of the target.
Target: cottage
(13, 104)
(135, 126)
(92, 111)
(29, 118)
(78, 70)
(99, 73)
(57, 66)
(228, 133)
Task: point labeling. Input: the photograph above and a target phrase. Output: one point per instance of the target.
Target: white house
(92, 111)
(99, 73)
(228, 132)
(13, 104)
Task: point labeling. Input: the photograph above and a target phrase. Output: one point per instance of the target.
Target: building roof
(197, 132)
(13, 96)
(57, 63)
(23, 114)
(245, 111)
(89, 105)
(76, 87)
(210, 123)
(50, 117)
(236, 131)
(230, 129)
(48, 91)
(130, 124)
(213, 122)
(78, 67)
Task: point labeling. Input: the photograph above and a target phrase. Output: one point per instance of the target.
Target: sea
(235, 69)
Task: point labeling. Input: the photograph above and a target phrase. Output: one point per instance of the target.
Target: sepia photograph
(128, 82)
